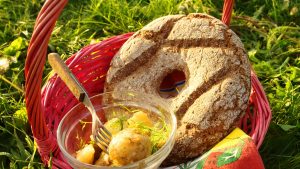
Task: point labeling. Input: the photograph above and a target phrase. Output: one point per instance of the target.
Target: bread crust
(217, 73)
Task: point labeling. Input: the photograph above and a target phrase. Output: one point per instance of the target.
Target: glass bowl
(74, 129)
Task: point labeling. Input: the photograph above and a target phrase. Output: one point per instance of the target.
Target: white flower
(4, 64)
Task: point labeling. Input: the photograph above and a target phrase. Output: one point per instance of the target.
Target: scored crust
(217, 73)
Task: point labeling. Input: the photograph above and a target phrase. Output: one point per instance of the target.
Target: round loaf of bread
(216, 68)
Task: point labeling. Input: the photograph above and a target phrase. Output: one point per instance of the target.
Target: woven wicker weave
(46, 107)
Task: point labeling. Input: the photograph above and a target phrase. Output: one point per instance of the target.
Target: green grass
(269, 29)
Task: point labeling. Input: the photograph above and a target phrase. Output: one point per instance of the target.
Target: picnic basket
(47, 105)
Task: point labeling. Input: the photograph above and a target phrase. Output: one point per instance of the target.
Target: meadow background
(269, 30)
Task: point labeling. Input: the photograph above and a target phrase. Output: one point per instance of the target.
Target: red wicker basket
(46, 107)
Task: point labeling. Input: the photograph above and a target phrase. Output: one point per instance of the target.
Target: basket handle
(34, 64)
(227, 11)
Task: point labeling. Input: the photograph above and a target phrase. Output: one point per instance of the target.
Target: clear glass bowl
(74, 129)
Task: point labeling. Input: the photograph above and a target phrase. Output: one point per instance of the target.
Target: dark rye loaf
(217, 74)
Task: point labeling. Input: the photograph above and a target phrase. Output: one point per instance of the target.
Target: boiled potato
(114, 125)
(140, 117)
(129, 146)
(103, 160)
(86, 155)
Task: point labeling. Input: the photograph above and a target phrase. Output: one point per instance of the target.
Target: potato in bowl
(142, 131)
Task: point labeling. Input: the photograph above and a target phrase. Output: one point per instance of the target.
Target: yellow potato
(140, 117)
(103, 160)
(114, 125)
(86, 155)
(129, 146)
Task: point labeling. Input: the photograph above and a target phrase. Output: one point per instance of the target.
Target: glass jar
(74, 129)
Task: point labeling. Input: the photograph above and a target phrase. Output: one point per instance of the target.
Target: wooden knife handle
(67, 76)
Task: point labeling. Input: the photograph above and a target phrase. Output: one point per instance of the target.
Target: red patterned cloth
(242, 155)
(236, 151)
